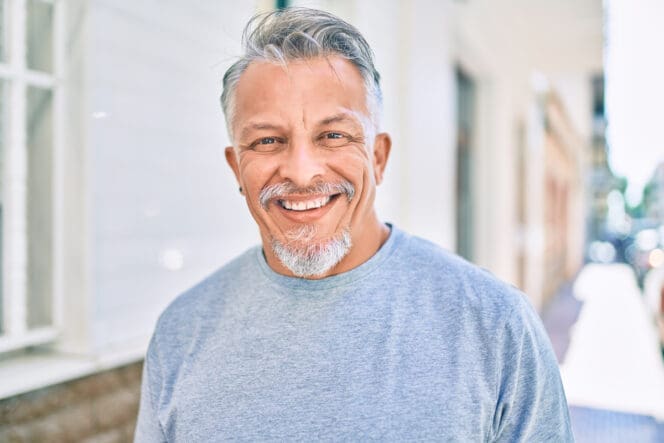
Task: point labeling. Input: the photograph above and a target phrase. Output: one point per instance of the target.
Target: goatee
(306, 257)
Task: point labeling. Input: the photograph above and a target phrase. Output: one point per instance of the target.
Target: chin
(306, 257)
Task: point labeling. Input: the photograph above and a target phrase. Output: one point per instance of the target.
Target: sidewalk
(611, 365)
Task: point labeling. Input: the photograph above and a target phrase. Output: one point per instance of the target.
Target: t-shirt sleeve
(531, 403)
(148, 428)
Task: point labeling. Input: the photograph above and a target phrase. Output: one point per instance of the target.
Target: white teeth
(304, 205)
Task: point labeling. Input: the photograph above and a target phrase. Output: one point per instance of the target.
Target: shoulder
(482, 305)
(202, 303)
(456, 281)
(494, 314)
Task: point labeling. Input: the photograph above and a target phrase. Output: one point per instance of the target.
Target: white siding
(158, 180)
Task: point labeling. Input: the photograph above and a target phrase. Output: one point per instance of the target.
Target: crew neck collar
(295, 283)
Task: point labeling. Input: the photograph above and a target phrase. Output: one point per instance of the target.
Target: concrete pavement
(613, 361)
(611, 366)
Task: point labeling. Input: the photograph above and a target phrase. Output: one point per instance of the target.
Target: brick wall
(100, 408)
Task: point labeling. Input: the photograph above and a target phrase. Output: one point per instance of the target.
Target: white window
(30, 123)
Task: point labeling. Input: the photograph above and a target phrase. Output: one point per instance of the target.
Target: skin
(305, 123)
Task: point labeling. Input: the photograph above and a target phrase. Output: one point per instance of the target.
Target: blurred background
(527, 138)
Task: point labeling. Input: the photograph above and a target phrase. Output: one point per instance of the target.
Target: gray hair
(301, 33)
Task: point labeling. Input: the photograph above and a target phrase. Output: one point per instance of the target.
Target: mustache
(282, 190)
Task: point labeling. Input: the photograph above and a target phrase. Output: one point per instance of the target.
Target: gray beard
(305, 258)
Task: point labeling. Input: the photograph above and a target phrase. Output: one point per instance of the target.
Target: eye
(267, 144)
(333, 139)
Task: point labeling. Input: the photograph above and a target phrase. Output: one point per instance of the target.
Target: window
(464, 190)
(29, 96)
(281, 4)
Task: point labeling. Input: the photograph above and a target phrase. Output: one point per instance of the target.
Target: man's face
(304, 161)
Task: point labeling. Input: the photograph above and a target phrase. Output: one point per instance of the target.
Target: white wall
(73, 263)
(427, 111)
(157, 178)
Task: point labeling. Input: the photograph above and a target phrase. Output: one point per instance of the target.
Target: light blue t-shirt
(414, 344)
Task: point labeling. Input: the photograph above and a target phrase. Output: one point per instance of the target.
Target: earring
(240, 189)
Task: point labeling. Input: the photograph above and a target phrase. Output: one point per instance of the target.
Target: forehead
(307, 90)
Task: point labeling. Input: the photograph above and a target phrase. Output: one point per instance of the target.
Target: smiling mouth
(306, 205)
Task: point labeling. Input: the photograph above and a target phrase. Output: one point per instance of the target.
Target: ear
(231, 159)
(381, 152)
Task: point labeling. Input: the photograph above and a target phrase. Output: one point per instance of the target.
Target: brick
(59, 396)
(131, 374)
(100, 407)
(14, 410)
(115, 409)
(96, 385)
(14, 434)
(128, 429)
(47, 429)
(25, 407)
(112, 436)
(8, 414)
(33, 405)
(77, 421)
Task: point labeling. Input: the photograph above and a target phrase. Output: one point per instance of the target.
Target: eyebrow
(257, 127)
(338, 118)
(341, 117)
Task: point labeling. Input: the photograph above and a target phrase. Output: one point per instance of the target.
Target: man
(340, 327)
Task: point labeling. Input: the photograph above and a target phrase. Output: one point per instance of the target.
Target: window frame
(18, 78)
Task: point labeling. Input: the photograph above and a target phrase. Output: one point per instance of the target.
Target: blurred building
(533, 66)
(564, 197)
(600, 180)
(116, 196)
(653, 196)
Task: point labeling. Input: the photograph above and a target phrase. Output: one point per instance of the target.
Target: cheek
(354, 165)
(256, 173)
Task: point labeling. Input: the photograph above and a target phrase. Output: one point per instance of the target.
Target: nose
(303, 163)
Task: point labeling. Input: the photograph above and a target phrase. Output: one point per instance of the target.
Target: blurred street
(605, 338)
